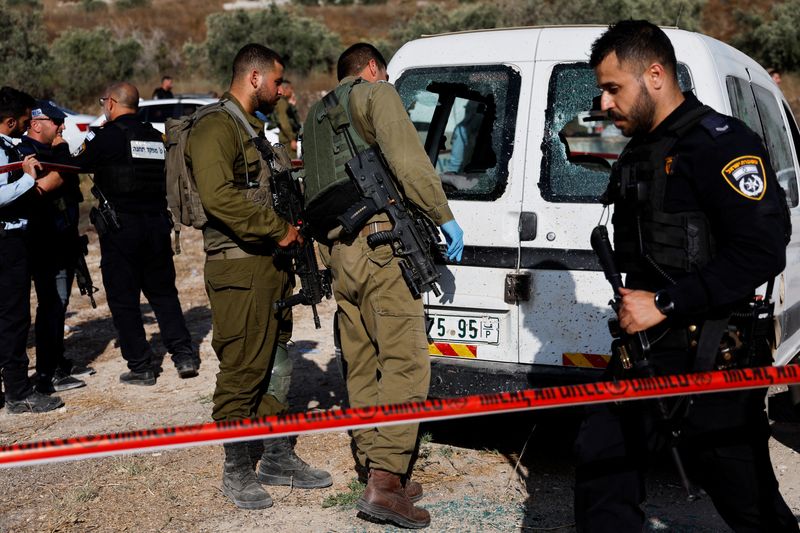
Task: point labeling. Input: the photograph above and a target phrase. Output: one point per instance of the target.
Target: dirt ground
(471, 469)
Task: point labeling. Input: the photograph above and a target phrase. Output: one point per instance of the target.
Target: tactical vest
(647, 239)
(141, 174)
(328, 189)
(18, 208)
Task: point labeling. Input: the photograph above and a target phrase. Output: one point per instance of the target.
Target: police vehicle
(529, 305)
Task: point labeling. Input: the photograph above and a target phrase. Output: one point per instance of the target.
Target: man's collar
(690, 102)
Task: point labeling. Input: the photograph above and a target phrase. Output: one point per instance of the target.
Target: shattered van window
(465, 117)
(580, 143)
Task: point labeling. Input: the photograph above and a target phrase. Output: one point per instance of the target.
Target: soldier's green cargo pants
(245, 333)
(384, 343)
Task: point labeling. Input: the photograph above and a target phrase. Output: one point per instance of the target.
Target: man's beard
(640, 117)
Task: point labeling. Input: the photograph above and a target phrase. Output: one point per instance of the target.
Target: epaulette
(717, 124)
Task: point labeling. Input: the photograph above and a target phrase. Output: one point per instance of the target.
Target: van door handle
(527, 226)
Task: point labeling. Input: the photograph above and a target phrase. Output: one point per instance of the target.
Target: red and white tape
(440, 409)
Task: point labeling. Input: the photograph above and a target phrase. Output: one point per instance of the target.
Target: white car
(156, 112)
(76, 126)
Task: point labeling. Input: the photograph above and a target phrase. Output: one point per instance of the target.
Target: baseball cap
(45, 109)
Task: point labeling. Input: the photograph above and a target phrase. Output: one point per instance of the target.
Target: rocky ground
(501, 473)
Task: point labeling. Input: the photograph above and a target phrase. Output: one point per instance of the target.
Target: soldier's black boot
(239, 480)
(281, 466)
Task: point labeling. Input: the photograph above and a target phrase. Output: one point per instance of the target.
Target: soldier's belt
(370, 229)
(228, 253)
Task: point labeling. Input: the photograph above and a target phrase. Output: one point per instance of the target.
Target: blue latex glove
(454, 236)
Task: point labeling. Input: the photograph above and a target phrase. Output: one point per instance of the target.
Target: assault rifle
(82, 276)
(287, 200)
(104, 216)
(413, 234)
(632, 351)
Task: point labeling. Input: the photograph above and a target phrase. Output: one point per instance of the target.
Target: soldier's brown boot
(386, 499)
(413, 490)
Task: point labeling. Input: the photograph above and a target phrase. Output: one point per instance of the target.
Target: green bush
(432, 19)
(93, 5)
(23, 51)
(86, 61)
(774, 39)
(130, 4)
(686, 14)
(305, 43)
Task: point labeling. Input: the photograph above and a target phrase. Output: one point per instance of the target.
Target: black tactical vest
(19, 207)
(140, 176)
(647, 239)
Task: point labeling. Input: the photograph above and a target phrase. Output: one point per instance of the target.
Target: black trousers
(53, 256)
(15, 315)
(723, 445)
(136, 260)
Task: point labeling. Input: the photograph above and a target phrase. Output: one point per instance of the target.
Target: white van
(528, 305)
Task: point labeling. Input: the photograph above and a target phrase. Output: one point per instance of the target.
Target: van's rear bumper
(460, 377)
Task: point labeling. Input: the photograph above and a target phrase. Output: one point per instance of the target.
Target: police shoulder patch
(747, 177)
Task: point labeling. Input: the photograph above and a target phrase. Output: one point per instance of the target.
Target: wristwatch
(664, 302)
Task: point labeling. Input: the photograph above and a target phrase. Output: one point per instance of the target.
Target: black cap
(46, 109)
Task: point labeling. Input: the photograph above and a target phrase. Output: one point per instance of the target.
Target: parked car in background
(156, 112)
(76, 126)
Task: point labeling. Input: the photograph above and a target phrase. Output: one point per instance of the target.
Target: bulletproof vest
(328, 189)
(18, 208)
(140, 175)
(647, 239)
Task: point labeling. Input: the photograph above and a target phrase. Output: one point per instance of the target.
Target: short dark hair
(354, 59)
(165, 78)
(255, 56)
(14, 103)
(638, 42)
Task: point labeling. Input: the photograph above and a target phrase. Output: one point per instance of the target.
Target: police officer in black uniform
(699, 223)
(126, 156)
(53, 247)
(18, 187)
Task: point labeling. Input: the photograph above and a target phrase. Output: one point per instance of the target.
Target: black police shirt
(721, 168)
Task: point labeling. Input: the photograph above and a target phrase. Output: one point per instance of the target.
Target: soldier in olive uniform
(242, 281)
(381, 325)
(287, 119)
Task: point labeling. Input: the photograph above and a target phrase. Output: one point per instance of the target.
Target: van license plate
(462, 328)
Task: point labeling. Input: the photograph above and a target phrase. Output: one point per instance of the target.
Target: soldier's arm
(399, 141)
(213, 149)
(747, 226)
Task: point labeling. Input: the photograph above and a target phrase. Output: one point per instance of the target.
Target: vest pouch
(326, 208)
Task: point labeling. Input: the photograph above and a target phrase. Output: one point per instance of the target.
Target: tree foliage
(305, 43)
(685, 14)
(432, 19)
(23, 52)
(774, 40)
(86, 61)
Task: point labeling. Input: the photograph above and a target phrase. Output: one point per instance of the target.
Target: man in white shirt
(18, 187)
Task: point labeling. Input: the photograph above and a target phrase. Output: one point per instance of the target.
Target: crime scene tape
(438, 409)
(47, 166)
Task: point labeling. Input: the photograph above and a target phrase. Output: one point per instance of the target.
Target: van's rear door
(467, 120)
(565, 321)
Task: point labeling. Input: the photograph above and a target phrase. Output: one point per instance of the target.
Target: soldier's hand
(50, 182)
(31, 165)
(638, 311)
(292, 237)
